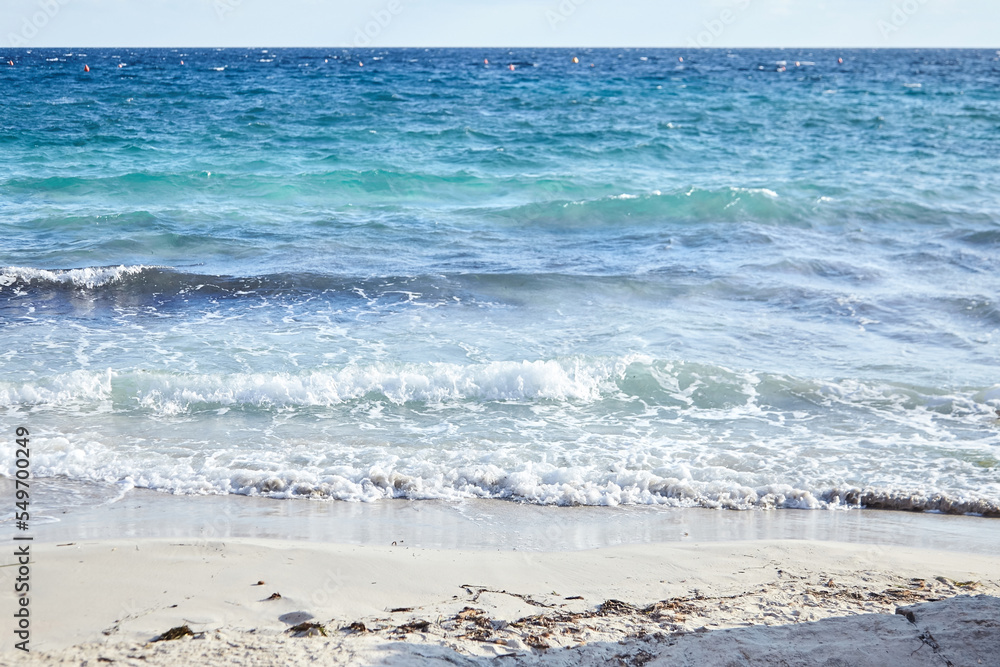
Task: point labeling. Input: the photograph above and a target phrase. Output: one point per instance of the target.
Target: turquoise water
(745, 279)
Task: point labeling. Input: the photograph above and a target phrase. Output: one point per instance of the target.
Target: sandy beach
(268, 601)
(575, 343)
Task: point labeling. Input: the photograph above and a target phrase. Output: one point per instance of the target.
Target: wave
(560, 487)
(527, 483)
(467, 196)
(912, 501)
(159, 290)
(575, 430)
(135, 285)
(383, 184)
(174, 393)
(788, 205)
(650, 490)
(165, 282)
(14, 278)
(161, 284)
(691, 205)
(677, 388)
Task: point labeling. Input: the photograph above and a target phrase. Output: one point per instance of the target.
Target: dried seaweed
(307, 629)
(175, 633)
(414, 626)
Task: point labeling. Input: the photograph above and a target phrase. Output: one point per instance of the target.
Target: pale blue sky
(685, 23)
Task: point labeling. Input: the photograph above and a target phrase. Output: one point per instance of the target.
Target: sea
(735, 279)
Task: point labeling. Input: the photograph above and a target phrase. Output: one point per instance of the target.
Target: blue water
(748, 279)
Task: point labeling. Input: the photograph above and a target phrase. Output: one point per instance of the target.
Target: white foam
(433, 383)
(76, 387)
(574, 379)
(88, 277)
(578, 430)
(757, 191)
(276, 476)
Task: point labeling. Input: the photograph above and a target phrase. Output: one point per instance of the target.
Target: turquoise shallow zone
(744, 279)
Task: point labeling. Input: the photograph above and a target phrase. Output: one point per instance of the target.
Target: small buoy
(182, 62)
(511, 67)
(486, 61)
(797, 64)
(360, 64)
(120, 65)
(327, 60)
(10, 62)
(86, 68)
(680, 59)
(575, 60)
(591, 64)
(840, 61)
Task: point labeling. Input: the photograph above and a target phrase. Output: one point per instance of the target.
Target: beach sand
(671, 602)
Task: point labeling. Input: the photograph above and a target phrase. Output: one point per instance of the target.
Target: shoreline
(489, 524)
(479, 581)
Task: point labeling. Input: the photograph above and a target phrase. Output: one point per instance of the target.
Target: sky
(508, 23)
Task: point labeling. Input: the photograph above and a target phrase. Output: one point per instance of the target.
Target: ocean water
(744, 279)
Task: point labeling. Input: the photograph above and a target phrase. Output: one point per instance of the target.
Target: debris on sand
(414, 626)
(307, 629)
(175, 633)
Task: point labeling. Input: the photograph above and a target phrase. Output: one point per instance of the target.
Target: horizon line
(564, 48)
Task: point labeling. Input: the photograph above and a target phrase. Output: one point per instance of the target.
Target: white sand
(710, 603)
